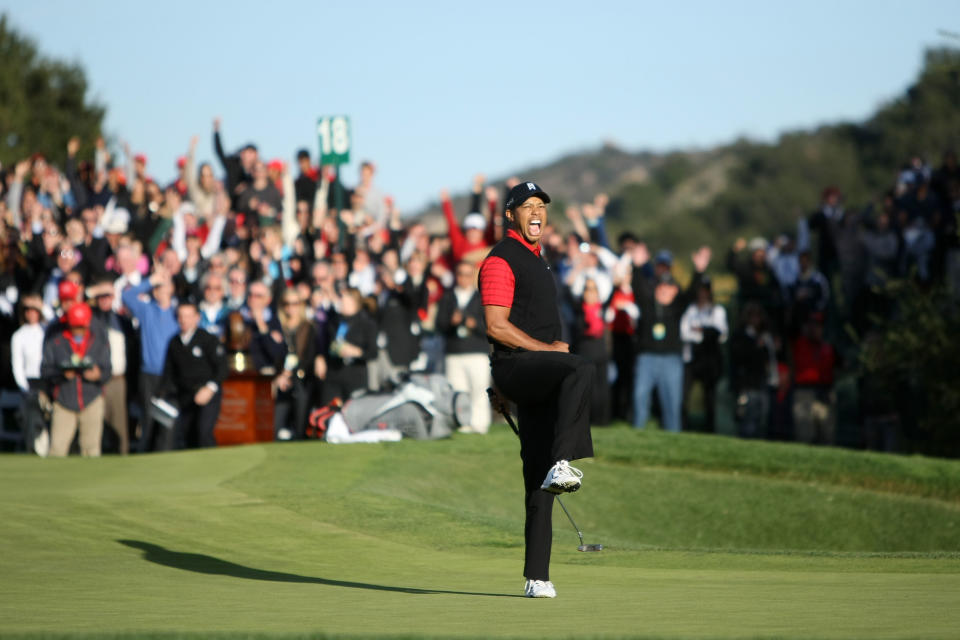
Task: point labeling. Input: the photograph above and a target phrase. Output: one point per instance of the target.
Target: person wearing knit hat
(76, 363)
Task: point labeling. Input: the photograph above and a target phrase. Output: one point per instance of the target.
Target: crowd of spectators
(119, 293)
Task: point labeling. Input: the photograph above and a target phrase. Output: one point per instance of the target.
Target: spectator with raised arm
(469, 241)
(201, 183)
(703, 329)
(158, 323)
(660, 360)
(238, 166)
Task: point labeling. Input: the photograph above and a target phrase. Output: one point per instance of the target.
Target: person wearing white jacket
(26, 354)
(703, 328)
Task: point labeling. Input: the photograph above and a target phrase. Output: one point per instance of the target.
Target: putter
(502, 408)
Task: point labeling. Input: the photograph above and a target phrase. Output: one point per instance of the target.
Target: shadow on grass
(200, 563)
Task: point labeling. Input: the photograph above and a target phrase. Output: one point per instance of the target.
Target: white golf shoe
(562, 478)
(539, 589)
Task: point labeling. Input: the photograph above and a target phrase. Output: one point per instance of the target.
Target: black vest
(534, 309)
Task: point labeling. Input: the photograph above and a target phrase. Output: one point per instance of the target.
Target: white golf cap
(474, 221)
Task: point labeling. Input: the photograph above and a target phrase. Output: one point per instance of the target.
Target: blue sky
(437, 91)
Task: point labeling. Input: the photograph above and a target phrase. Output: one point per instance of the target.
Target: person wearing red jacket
(471, 242)
(814, 360)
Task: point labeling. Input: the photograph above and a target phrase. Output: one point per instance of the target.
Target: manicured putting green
(705, 537)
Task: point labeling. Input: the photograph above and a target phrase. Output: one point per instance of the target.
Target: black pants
(552, 394)
(194, 427)
(148, 389)
(625, 360)
(31, 416)
(292, 408)
(595, 351)
(707, 377)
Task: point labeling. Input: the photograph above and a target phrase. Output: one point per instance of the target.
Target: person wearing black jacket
(352, 345)
(266, 335)
(398, 320)
(660, 349)
(238, 166)
(305, 186)
(460, 321)
(753, 363)
(195, 367)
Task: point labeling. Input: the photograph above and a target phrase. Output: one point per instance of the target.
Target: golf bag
(422, 407)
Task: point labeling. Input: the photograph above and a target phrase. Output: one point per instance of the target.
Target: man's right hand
(557, 345)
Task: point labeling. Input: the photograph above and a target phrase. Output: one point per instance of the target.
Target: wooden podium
(246, 411)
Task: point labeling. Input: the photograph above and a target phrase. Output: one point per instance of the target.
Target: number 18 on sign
(334, 134)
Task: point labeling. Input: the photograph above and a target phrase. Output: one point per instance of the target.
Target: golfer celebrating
(534, 369)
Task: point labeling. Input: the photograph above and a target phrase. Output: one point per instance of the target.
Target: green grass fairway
(706, 537)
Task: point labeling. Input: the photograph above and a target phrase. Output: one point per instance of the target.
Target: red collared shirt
(496, 277)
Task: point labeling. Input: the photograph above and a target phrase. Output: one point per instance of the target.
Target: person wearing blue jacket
(157, 316)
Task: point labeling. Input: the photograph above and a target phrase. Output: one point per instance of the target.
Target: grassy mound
(706, 537)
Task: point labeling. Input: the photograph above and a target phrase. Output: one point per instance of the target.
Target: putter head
(590, 547)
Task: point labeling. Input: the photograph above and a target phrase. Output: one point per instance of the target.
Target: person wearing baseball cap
(70, 291)
(470, 241)
(532, 367)
(76, 363)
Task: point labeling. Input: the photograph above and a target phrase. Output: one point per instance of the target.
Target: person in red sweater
(471, 242)
(814, 402)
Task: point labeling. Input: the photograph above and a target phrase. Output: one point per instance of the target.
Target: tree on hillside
(43, 102)
(769, 185)
(911, 362)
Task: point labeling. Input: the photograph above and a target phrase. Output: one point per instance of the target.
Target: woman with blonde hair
(298, 368)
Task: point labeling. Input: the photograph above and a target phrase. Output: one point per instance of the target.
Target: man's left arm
(218, 362)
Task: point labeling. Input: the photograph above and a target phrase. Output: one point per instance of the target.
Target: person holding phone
(76, 363)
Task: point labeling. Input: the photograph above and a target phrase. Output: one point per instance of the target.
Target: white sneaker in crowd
(539, 589)
(562, 478)
(41, 444)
